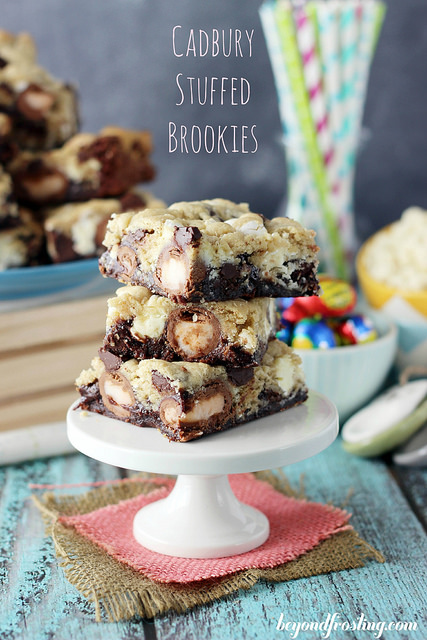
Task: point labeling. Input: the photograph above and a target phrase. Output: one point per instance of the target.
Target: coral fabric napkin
(296, 526)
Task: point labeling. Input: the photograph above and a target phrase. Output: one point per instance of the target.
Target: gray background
(119, 52)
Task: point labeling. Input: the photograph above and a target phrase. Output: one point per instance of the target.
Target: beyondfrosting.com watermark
(334, 622)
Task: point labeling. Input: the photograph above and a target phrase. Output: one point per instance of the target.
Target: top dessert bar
(87, 166)
(43, 110)
(211, 250)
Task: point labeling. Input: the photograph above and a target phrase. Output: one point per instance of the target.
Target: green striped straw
(293, 63)
(302, 198)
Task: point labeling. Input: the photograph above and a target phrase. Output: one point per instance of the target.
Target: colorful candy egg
(337, 299)
(357, 329)
(284, 334)
(311, 333)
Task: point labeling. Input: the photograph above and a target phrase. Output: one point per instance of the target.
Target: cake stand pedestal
(201, 517)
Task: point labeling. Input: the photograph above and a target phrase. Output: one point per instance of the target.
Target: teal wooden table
(388, 504)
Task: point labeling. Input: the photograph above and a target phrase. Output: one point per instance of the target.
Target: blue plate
(45, 280)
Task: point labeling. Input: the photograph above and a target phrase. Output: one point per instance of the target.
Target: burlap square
(119, 592)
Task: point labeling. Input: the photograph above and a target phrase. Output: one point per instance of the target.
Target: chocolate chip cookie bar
(211, 250)
(43, 110)
(76, 230)
(21, 244)
(87, 166)
(187, 400)
(232, 333)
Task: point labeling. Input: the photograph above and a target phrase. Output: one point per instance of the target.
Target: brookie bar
(186, 400)
(43, 110)
(76, 230)
(87, 166)
(232, 333)
(21, 244)
(211, 250)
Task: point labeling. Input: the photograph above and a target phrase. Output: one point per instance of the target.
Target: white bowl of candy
(346, 352)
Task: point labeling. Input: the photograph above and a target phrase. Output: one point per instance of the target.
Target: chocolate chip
(161, 383)
(3, 63)
(229, 271)
(240, 377)
(111, 361)
(136, 237)
(185, 236)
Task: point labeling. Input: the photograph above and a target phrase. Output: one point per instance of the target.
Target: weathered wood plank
(37, 602)
(28, 373)
(41, 408)
(394, 591)
(413, 482)
(79, 320)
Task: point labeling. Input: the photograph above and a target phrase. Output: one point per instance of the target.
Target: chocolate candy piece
(285, 332)
(336, 299)
(208, 408)
(310, 333)
(116, 392)
(193, 332)
(356, 329)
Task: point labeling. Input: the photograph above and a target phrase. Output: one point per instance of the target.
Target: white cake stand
(201, 517)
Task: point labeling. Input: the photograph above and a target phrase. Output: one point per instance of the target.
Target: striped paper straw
(302, 198)
(348, 33)
(328, 31)
(297, 167)
(312, 72)
(333, 252)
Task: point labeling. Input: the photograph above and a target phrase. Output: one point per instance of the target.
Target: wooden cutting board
(42, 351)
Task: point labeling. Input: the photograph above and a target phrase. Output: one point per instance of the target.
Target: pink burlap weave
(296, 526)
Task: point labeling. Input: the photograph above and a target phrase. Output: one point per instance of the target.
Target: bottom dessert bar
(187, 400)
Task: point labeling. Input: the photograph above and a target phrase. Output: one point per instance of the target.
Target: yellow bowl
(377, 293)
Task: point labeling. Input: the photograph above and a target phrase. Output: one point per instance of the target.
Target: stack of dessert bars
(58, 187)
(190, 345)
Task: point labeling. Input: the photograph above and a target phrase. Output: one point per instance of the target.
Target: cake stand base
(201, 517)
